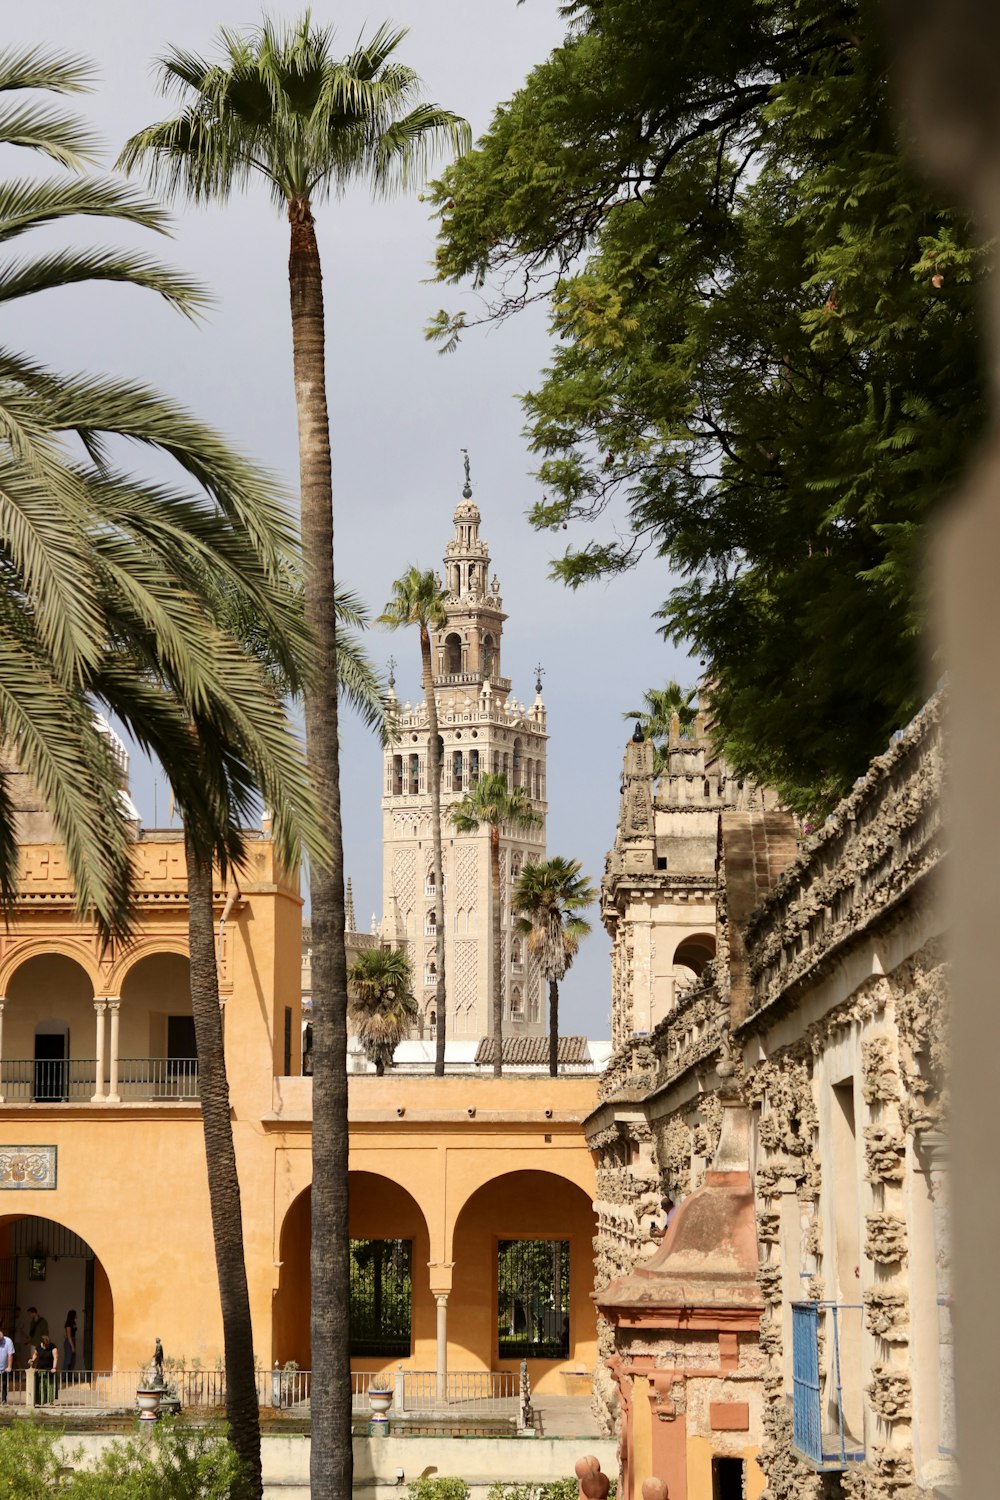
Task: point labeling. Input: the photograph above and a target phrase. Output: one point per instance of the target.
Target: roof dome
(467, 510)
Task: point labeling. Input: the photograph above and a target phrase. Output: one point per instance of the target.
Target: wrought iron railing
(815, 1440)
(484, 1393)
(158, 1078)
(26, 1080)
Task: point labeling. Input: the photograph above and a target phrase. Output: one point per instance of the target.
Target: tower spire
(349, 923)
(467, 487)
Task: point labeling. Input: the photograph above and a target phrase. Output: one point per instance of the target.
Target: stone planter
(148, 1402)
(379, 1401)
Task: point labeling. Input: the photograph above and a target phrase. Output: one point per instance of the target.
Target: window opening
(533, 1299)
(381, 1296)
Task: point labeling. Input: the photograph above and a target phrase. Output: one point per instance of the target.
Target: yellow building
(456, 1182)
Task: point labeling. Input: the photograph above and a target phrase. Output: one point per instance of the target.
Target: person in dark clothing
(69, 1342)
(46, 1361)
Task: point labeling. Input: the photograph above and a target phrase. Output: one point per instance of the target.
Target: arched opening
(44, 1264)
(694, 952)
(391, 1305)
(517, 763)
(158, 1057)
(49, 1031)
(489, 654)
(453, 652)
(526, 1235)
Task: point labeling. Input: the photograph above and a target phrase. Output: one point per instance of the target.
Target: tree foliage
(381, 1004)
(548, 898)
(766, 369)
(660, 706)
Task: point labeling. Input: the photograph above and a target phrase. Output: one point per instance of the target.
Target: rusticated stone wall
(842, 972)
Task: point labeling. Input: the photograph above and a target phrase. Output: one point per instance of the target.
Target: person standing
(37, 1325)
(6, 1361)
(69, 1342)
(46, 1361)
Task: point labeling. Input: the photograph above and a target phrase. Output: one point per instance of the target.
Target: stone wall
(827, 1005)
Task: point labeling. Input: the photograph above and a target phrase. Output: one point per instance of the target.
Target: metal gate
(533, 1299)
(381, 1296)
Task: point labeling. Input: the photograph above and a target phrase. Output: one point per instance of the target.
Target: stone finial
(349, 924)
(467, 487)
(593, 1484)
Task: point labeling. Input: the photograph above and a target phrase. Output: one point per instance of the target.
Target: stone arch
(142, 948)
(526, 1204)
(156, 1041)
(452, 652)
(74, 1277)
(81, 954)
(380, 1209)
(694, 951)
(49, 1039)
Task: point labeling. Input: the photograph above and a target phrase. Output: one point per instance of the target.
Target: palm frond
(70, 267)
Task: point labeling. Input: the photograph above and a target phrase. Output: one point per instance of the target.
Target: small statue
(156, 1368)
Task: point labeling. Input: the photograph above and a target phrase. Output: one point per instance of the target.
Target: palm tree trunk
(331, 1462)
(554, 1028)
(242, 1412)
(434, 775)
(497, 955)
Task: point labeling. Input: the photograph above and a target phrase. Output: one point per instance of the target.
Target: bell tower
(484, 728)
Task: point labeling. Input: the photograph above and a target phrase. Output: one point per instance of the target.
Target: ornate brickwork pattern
(404, 879)
(465, 878)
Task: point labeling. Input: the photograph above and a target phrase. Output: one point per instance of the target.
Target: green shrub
(172, 1463)
(552, 1489)
(440, 1488)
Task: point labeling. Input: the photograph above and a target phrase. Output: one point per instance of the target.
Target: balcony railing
(158, 1078)
(823, 1449)
(28, 1080)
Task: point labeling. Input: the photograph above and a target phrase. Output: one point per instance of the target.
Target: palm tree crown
(491, 802)
(381, 1002)
(549, 897)
(417, 599)
(278, 106)
(660, 707)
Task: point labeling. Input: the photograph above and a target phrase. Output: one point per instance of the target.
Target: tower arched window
(489, 654)
(473, 767)
(517, 762)
(397, 775)
(456, 771)
(414, 775)
(453, 653)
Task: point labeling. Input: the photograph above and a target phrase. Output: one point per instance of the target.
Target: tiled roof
(532, 1051)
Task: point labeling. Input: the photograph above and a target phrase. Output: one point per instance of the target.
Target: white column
(100, 1010)
(3, 1002)
(113, 1095)
(442, 1347)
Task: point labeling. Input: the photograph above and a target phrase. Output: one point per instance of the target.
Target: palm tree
(417, 599)
(381, 1002)
(493, 803)
(279, 106)
(660, 707)
(549, 897)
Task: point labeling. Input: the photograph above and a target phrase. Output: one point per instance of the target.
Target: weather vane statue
(467, 488)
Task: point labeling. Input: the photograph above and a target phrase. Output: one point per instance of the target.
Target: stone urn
(148, 1402)
(379, 1401)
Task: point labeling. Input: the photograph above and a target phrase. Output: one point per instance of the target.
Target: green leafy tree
(495, 805)
(767, 350)
(660, 705)
(548, 899)
(278, 106)
(417, 599)
(382, 1005)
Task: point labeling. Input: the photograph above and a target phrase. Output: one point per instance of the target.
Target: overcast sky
(400, 412)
